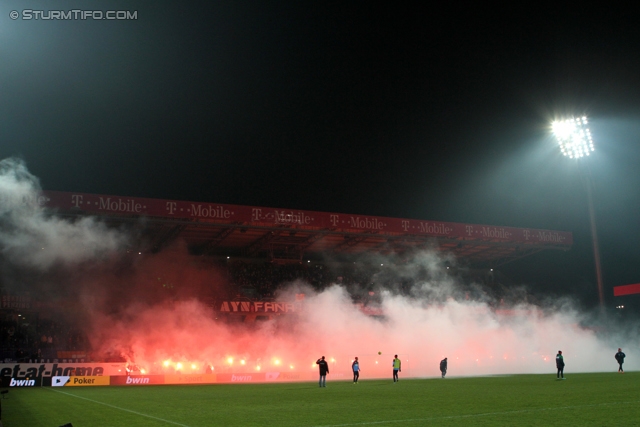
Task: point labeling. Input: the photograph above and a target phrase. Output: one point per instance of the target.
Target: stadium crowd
(27, 334)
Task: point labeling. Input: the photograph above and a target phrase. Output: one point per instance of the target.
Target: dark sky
(437, 112)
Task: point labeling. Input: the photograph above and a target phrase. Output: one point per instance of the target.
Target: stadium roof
(286, 235)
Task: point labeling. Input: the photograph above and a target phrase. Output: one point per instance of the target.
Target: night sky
(436, 113)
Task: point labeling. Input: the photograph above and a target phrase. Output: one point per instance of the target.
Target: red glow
(164, 338)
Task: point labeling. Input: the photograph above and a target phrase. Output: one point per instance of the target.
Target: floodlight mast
(574, 138)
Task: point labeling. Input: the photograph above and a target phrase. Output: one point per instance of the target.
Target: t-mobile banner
(262, 216)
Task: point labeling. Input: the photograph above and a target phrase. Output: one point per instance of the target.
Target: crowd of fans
(30, 338)
(262, 280)
(36, 337)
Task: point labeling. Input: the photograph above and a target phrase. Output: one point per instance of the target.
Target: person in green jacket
(397, 367)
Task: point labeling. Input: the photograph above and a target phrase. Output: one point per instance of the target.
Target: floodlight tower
(574, 138)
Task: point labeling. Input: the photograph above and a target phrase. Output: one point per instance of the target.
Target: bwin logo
(137, 380)
(22, 383)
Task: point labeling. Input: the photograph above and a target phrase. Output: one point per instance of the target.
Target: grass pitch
(602, 399)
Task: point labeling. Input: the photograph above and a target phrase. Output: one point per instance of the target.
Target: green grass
(602, 399)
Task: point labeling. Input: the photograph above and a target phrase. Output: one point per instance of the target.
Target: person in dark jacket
(560, 365)
(620, 359)
(443, 367)
(324, 370)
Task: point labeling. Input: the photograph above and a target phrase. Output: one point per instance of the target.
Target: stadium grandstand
(259, 248)
(286, 235)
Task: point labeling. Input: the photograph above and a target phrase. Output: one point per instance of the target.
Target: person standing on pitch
(324, 370)
(397, 367)
(560, 364)
(620, 358)
(355, 367)
(443, 367)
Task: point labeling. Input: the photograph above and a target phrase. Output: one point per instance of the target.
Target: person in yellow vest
(397, 367)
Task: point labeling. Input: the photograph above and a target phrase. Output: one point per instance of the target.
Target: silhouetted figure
(560, 365)
(620, 358)
(443, 367)
(324, 370)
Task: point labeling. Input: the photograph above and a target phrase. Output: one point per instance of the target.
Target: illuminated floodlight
(179, 365)
(242, 362)
(230, 360)
(166, 363)
(193, 366)
(574, 137)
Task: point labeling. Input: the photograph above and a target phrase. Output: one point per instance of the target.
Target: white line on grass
(367, 423)
(122, 409)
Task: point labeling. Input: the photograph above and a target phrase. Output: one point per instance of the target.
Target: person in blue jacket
(355, 367)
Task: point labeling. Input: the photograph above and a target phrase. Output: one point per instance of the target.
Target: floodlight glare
(573, 136)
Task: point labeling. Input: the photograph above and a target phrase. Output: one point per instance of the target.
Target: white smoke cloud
(475, 337)
(29, 236)
(435, 318)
